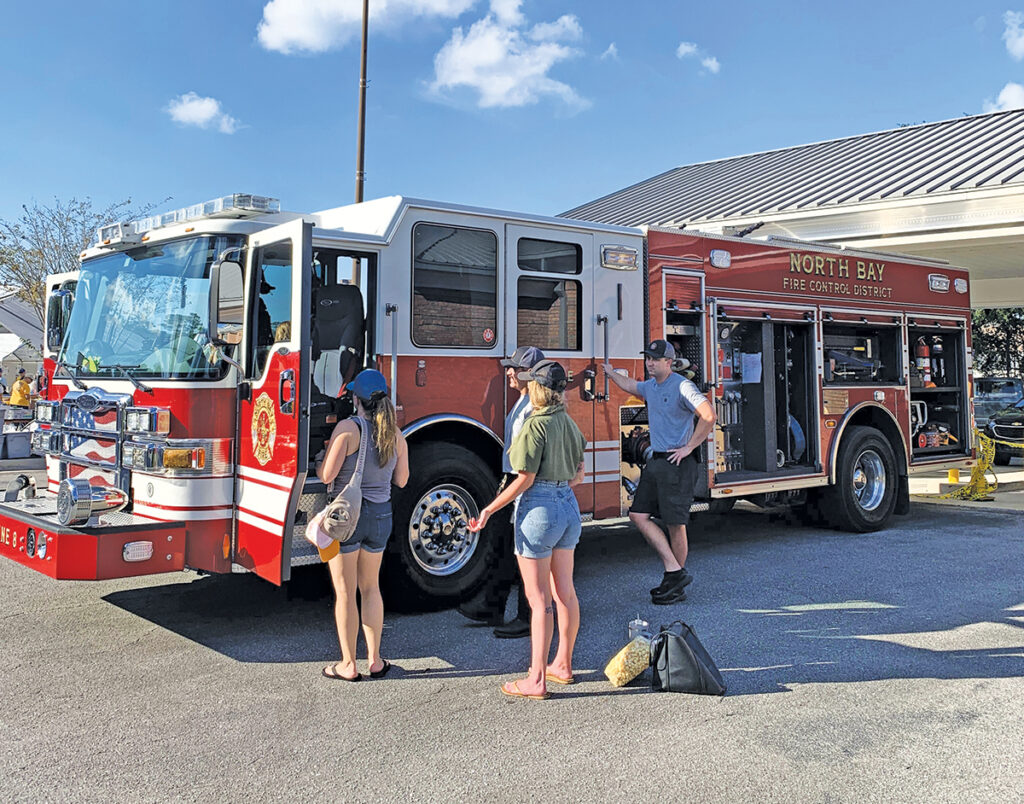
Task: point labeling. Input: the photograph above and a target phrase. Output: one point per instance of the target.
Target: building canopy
(952, 190)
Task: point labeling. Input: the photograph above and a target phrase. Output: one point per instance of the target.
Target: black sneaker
(513, 629)
(668, 599)
(667, 582)
(674, 587)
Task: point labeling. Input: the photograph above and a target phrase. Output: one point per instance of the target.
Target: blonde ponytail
(384, 427)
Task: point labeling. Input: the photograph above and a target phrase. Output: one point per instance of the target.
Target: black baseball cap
(548, 373)
(660, 348)
(523, 358)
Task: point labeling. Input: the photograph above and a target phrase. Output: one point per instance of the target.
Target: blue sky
(532, 106)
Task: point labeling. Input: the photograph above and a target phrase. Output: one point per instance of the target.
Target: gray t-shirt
(513, 424)
(376, 478)
(670, 409)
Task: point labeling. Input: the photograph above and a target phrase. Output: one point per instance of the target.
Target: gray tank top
(376, 478)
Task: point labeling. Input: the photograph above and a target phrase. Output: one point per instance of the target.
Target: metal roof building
(951, 190)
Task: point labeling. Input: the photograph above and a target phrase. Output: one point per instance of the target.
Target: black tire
(1002, 457)
(435, 571)
(864, 496)
(721, 505)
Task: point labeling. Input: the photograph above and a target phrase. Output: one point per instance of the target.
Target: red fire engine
(196, 360)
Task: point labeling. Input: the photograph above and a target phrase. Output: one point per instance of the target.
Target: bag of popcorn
(629, 662)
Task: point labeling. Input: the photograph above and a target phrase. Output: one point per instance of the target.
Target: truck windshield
(146, 312)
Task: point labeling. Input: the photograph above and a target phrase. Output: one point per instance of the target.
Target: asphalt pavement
(877, 667)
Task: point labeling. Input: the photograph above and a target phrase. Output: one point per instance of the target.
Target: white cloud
(686, 49)
(565, 27)
(708, 62)
(1013, 35)
(611, 53)
(507, 11)
(192, 110)
(314, 26)
(1010, 97)
(504, 65)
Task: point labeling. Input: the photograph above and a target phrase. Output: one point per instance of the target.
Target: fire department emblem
(264, 429)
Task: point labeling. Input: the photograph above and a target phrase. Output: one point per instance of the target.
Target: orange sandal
(511, 689)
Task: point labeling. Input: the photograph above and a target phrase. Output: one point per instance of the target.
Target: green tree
(998, 339)
(48, 239)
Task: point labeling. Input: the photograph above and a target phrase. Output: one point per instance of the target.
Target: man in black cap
(667, 479)
(489, 605)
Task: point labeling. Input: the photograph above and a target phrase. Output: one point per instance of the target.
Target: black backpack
(679, 663)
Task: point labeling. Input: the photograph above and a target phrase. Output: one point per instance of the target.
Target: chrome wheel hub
(439, 532)
(869, 480)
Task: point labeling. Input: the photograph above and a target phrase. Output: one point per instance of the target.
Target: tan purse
(341, 516)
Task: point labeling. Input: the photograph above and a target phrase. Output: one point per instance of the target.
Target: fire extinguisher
(923, 361)
(938, 363)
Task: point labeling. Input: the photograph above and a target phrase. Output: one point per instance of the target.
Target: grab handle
(602, 321)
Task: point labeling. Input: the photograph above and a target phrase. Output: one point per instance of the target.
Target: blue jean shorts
(547, 518)
(372, 529)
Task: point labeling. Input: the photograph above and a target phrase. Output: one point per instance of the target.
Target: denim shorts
(547, 518)
(372, 529)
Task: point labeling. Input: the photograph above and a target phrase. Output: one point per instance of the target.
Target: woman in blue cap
(357, 564)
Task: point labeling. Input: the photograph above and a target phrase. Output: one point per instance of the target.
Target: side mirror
(227, 307)
(58, 312)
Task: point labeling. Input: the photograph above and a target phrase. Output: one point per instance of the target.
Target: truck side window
(273, 302)
(549, 256)
(548, 313)
(455, 286)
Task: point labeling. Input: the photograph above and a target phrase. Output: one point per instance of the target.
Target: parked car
(992, 394)
(1007, 425)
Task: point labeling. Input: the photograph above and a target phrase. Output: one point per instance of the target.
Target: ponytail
(384, 424)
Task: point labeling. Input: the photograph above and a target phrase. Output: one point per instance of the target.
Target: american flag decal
(96, 446)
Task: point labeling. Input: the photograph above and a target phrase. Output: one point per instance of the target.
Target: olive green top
(549, 445)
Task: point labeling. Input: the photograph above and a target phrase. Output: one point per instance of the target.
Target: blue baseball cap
(368, 382)
(523, 358)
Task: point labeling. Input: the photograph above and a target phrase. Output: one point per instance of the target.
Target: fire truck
(197, 362)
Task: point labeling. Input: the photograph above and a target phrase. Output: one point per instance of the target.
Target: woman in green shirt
(547, 456)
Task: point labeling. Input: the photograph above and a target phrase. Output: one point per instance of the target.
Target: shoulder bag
(340, 517)
(681, 664)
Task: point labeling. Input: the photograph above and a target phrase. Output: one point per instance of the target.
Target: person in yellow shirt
(21, 391)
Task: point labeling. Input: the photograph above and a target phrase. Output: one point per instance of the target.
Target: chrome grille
(1013, 431)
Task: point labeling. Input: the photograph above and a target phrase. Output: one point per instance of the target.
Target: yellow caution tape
(978, 487)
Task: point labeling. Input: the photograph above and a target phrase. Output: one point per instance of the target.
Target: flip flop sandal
(513, 692)
(383, 670)
(563, 680)
(335, 677)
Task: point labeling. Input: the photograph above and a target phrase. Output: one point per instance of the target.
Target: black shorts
(666, 490)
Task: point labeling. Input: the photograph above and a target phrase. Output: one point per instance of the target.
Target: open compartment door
(273, 407)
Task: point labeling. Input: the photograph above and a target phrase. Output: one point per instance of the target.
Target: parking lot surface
(878, 667)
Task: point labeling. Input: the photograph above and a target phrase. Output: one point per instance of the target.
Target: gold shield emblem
(264, 429)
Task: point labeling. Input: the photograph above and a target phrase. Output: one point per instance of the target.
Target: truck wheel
(1002, 457)
(864, 496)
(433, 558)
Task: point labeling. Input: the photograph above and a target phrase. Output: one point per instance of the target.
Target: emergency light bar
(237, 205)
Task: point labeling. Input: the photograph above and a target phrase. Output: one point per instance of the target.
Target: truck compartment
(766, 422)
(939, 416)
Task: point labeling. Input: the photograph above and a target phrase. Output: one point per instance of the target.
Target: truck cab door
(273, 398)
(549, 285)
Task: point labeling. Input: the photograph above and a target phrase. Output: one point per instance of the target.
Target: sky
(524, 105)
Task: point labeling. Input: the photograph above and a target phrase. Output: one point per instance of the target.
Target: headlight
(46, 411)
(45, 442)
(147, 420)
(40, 545)
(139, 456)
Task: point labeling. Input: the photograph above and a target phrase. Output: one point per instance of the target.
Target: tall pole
(360, 174)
